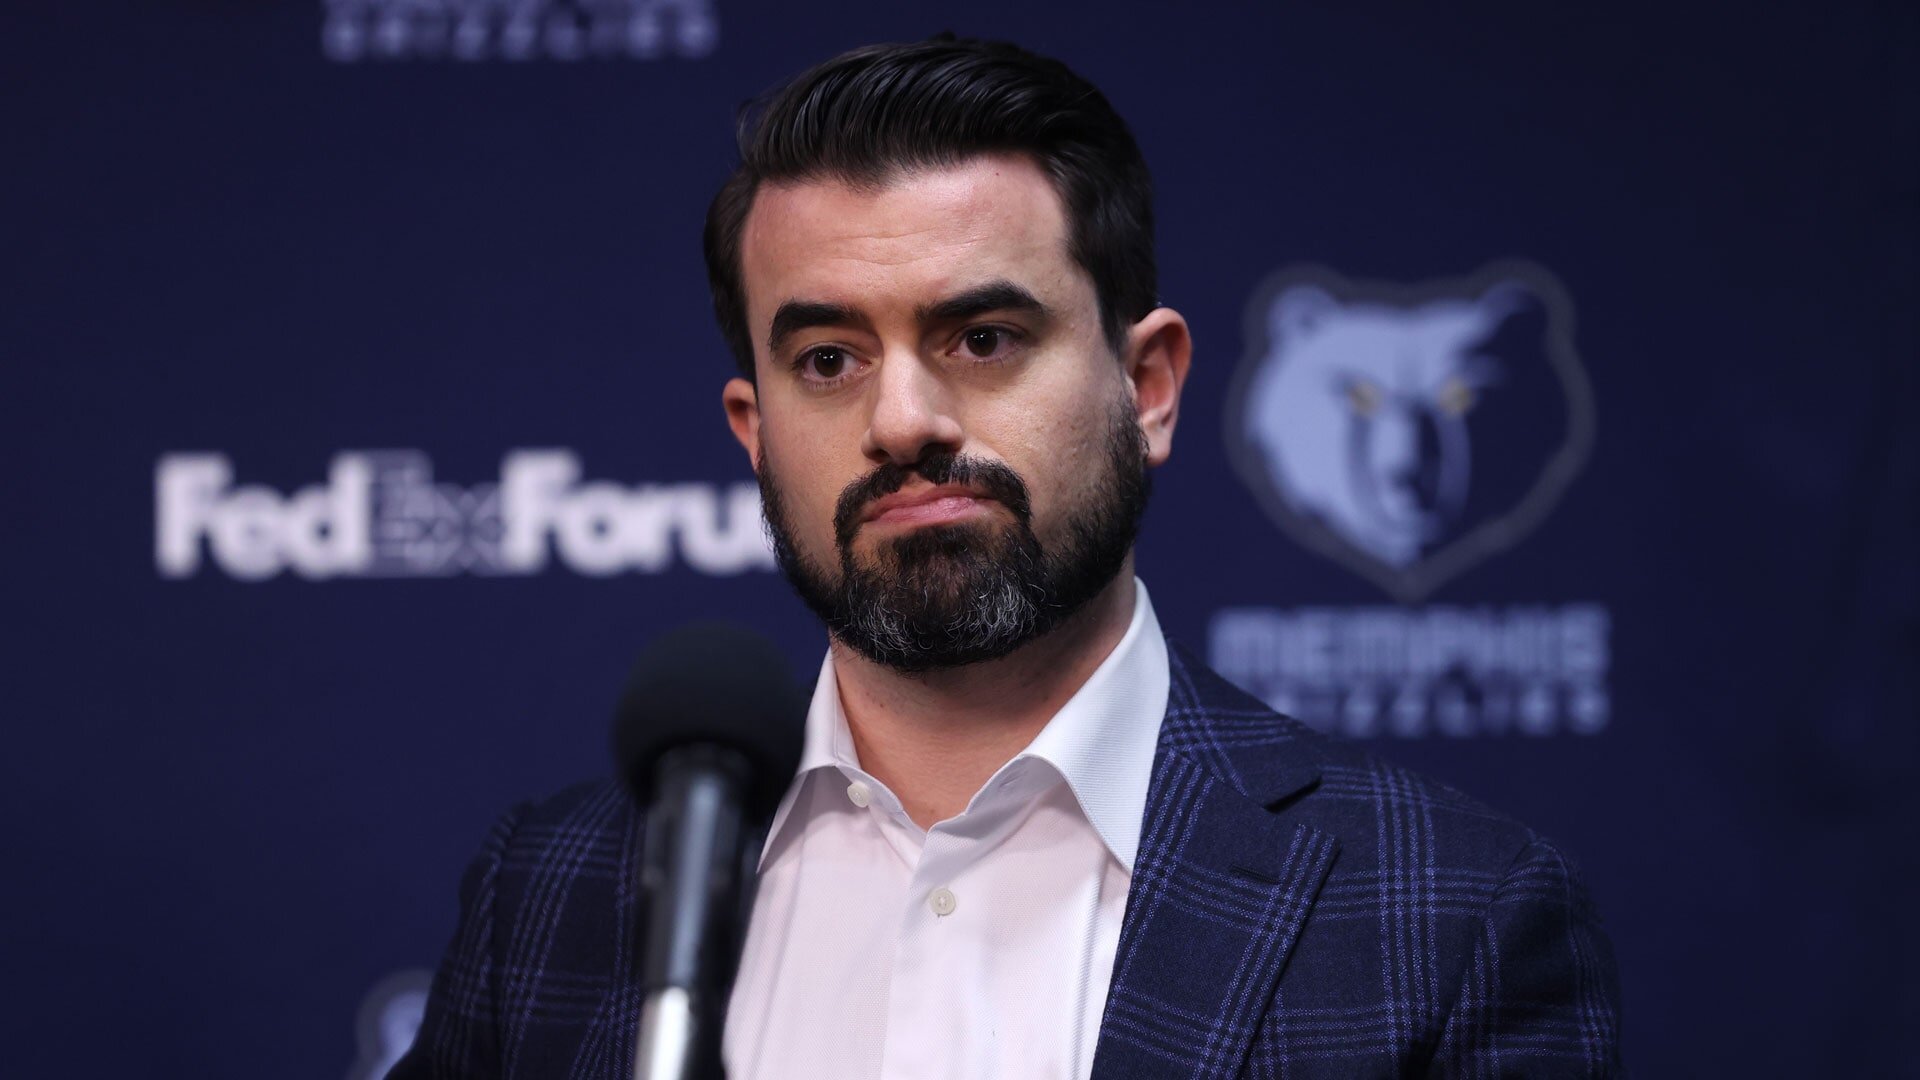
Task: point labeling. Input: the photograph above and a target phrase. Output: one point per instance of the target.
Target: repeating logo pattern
(472, 30)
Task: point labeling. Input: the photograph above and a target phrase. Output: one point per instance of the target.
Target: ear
(742, 403)
(1159, 350)
(1505, 298)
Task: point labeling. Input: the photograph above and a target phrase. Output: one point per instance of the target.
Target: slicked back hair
(867, 115)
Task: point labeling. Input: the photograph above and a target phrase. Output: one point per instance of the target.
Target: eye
(823, 363)
(1455, 398)
(982, 340)
(987, 342)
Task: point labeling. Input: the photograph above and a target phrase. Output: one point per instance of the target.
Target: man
(1029, 838)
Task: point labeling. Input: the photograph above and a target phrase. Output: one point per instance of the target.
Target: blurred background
(1552, 429)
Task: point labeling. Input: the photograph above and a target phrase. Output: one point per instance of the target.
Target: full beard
(944, 596)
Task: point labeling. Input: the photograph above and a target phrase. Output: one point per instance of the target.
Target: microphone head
(715, 684)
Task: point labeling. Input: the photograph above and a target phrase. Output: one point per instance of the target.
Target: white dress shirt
(979, 948)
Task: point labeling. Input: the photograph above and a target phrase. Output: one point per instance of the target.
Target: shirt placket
(934, 960)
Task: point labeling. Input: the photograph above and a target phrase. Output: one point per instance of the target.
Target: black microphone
(707, 737)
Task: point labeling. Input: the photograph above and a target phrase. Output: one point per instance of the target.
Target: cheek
(1060, 452)
(811, 479)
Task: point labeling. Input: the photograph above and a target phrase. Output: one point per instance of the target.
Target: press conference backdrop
(1551, 429)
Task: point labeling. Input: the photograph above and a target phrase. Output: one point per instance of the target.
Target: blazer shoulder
(1339, 786)
(539, 905)
(585, 799)
(1399, 802)
(580, 831)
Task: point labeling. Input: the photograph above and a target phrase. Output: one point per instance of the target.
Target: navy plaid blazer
(1298, 909)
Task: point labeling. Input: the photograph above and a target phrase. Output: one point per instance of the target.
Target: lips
(925, 506)
(891, 489)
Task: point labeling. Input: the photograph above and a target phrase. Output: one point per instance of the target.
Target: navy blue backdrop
(1551, 427)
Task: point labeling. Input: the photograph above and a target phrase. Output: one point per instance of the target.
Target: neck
(934, 738)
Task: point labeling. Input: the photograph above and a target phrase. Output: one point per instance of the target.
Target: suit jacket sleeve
(459, 1037)
(1539, 997)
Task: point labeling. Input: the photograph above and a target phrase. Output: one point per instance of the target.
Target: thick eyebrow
(993, 296)
(794, 316)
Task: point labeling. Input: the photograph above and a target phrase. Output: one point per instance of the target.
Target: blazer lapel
(1221, 886)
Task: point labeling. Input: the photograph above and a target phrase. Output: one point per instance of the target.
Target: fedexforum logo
(471, 30)
(379, 513)
(1410, 432)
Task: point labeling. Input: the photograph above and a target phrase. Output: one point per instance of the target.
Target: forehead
(912, 237)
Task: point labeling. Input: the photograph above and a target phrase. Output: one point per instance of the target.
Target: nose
(912, 414)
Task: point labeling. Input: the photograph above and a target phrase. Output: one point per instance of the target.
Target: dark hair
(866, 114)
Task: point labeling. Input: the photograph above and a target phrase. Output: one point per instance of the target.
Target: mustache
(990, 478)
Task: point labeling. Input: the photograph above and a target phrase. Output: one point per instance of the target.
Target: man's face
(948, 450)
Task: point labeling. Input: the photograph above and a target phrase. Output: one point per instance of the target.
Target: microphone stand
(699, 870)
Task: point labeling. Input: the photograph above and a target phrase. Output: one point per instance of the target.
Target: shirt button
(942, 901)
(859, 794)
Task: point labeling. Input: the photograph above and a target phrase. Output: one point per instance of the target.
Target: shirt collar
(1101, 741)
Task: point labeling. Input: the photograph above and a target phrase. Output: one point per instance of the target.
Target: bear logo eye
(1455, 398)
(1363, 397)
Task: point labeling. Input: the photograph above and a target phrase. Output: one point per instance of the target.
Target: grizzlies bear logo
(1410, 432)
